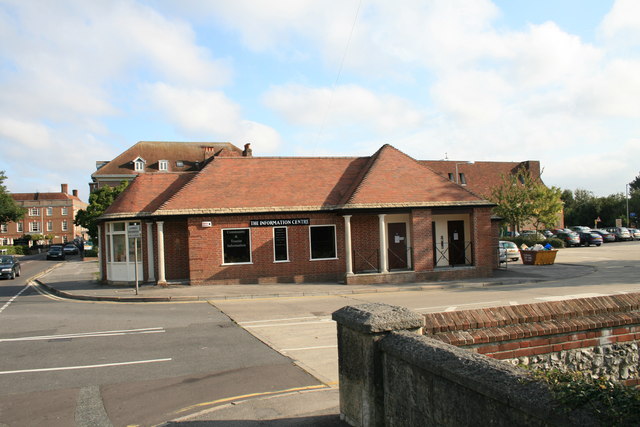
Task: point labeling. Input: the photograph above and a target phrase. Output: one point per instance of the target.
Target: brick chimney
(64, 188)
(75, 193)
(248, 152)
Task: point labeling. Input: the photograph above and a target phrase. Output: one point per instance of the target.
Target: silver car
(511, 250)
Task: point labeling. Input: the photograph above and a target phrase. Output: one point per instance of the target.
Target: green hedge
(16, 250)
(91, 253)
(530, 241)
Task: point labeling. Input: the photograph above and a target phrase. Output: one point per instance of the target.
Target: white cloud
(207, 114)
(622, 24)
(347, 105)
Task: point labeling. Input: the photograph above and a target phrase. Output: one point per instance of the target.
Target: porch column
(150, 270)
(384, 257)
(102, 254)
(161, 278)
(347, 243)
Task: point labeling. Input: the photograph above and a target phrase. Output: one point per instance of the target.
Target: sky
(509, 80)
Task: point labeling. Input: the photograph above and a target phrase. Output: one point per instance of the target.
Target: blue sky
(555, 81)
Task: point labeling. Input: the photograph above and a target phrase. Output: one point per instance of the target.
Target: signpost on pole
(133, 231)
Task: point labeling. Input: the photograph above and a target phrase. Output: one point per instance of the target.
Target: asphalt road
(67, 363)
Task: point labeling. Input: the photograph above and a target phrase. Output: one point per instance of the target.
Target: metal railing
(407, 259)
(444, 250)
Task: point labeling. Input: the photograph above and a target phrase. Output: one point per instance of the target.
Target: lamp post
(626, 196)
(461, 163)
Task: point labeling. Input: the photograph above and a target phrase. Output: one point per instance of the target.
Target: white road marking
(279, 320)
(459, 305)
(565, 297)
(310, 348)
(88, 334)
(68, 368)
(13, 298)
(327, 321)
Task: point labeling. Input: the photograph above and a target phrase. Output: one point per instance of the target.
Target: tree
(9, 209)
(521, 198)
(635, 184)
(99, 201)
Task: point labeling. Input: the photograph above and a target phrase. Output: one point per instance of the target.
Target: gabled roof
(153, 151)
(227, 185)
(147, 192)
(481, 177)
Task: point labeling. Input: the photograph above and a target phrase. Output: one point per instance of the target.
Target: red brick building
(160, 156)
(48, 214)
(377, 219)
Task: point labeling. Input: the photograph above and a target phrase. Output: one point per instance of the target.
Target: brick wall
(598, 335)
(421, 232)
(176, 249)
(206, 257)
(365, 242)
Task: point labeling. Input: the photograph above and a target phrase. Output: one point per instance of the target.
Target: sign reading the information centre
(278, 222)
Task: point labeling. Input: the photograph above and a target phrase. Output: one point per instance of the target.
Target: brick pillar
(360, 328)
(422, 239)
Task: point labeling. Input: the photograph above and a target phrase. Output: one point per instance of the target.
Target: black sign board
(278, 222)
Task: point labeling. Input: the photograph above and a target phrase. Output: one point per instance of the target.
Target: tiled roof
(387, 179)
(42, 196)
(481, 177)
(147, 192)
(154, 151)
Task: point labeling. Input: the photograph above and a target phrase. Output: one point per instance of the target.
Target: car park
(533, 234)
(606, 236)
(55, 252)
(9, 266)
(621, 233)
(70, 249)
(635, 233)
(570, 238)
(589, 238)
(511, 250)
(580, 229)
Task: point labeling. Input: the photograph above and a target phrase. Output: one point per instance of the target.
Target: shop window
(236, 246)
(119, 244)
(280, 244)
(323, 241)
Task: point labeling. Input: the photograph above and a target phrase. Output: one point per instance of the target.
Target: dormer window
(163, 165)
(138, 164)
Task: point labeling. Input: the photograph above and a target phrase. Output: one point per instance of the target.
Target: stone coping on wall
(497, 324)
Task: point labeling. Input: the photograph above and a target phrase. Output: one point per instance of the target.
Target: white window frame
(250, 246)
(19, 227)
(64, 211)
(163, 165)
(138, 165)
(49, 211)
(65, 225)
(286, 229)
(4, 228)
(34, 227)
(34, 211)
(49, 225)
(335, 243)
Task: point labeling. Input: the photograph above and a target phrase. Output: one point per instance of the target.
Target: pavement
(77, 279)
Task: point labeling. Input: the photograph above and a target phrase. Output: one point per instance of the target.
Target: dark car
(570, 238)
(70, 249)
(606, 236)
(589, 238)
(55, 252)
(9, 266)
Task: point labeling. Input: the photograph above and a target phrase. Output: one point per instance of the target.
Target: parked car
(70, 249)
(570, 238)
(9, 267)
(511, 250)
(55, 252)
(635, 233)
(621, 233)
(606, 236)
(589, 238)
(580, 228)
(533, 234)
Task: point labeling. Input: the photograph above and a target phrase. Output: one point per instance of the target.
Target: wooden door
(455, 231)
(397, 235)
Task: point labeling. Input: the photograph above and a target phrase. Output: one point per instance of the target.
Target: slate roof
(226, 185)
(154, 151)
